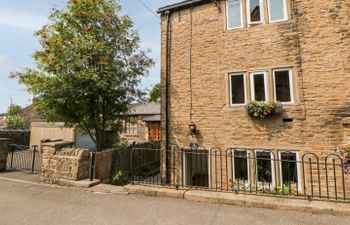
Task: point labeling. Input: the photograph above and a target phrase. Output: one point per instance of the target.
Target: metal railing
(24, 158)
(284, 173)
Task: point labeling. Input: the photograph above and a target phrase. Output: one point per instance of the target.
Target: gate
(24, 158)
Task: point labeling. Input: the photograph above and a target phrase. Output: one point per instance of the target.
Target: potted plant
(264, 109)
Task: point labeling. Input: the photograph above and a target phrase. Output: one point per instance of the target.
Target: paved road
(28, 204)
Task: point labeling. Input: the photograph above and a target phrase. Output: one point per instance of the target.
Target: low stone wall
(19, 137)
(62, 162)
(110, 161)
(3, 153)
(104, 161)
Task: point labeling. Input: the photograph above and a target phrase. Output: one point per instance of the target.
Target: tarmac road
(33, 204)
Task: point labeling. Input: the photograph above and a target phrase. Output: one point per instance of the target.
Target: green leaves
(13, 119)
(263, 109)
(88, 68)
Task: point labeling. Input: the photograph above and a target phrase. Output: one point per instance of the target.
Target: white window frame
(266, 85)
(233, 163)
(245, 89)
(272, 166)
(298, 166)
(291, 84)
(227, 16)
(262, 15)
(285, 12)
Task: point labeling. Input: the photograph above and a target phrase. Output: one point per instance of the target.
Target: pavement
(31, 203)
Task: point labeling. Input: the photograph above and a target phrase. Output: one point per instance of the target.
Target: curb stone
(245, 200)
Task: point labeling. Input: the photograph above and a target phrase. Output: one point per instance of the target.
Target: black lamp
(192, 127)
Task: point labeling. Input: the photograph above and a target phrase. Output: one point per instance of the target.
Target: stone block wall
(61, 161)
(3, 153)
(314, 42)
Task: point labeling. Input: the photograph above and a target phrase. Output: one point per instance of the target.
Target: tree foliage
(155, 94)
(89, 67)
(13, 119)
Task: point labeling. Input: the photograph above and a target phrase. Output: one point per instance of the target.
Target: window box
(264, 109)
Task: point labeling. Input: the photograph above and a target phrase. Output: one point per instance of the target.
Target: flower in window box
(263, 109)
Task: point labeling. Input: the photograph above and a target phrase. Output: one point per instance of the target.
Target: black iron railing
(284, 173)
(24, 158)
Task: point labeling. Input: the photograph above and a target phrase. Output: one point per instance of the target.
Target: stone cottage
(219, 56)
(142, 123)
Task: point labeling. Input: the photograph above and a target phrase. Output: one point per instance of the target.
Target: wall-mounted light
(192, 127)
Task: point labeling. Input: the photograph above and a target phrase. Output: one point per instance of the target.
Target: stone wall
(61, 162)
(3, 153)
(112, 160)
(19, 137)
(314, 42)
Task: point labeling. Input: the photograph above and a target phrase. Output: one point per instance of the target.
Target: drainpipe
(167, 97)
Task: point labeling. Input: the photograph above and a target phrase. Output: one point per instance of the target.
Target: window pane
(259, 87)
(289, 168)
(237, 89)
(254, 7)
(263, 162)
(241, 165)
(283, 92)
(276, 9)
(234, 13)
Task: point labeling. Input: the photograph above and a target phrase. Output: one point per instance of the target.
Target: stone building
(218, 56)
(143, 123)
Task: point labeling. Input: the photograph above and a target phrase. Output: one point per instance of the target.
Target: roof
(151, 108)
(182, 5)
(155, 118)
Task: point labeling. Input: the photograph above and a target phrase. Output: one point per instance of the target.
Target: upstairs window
(255, 11)
(283, 85)
(237, 89)
(259, 88)
(277, 10)
(234, 14)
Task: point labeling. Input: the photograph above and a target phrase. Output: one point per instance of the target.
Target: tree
(89, 67)
(13, 119)
(155, 94)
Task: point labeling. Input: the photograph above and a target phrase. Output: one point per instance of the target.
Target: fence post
(92, 165)
(12, 152)
(33, 162)
(131, 163)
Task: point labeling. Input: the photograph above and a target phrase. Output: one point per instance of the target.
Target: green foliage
(263, 109)
(13, 119)
(14, 110)
(155, 94)
(89, 67)
(118, 176)
(14, 122)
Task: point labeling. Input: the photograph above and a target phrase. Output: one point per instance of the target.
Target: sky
(19, 19)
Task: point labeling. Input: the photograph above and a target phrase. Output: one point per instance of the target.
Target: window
(237, 84)
(130, 126)
(283, 85)
(234, 14)
(277, 10)
(289, 168)
(240, 164)
(259, 88)
(255, 11)
(264, 167)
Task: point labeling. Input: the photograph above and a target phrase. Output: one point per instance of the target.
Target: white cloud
(21, 19)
